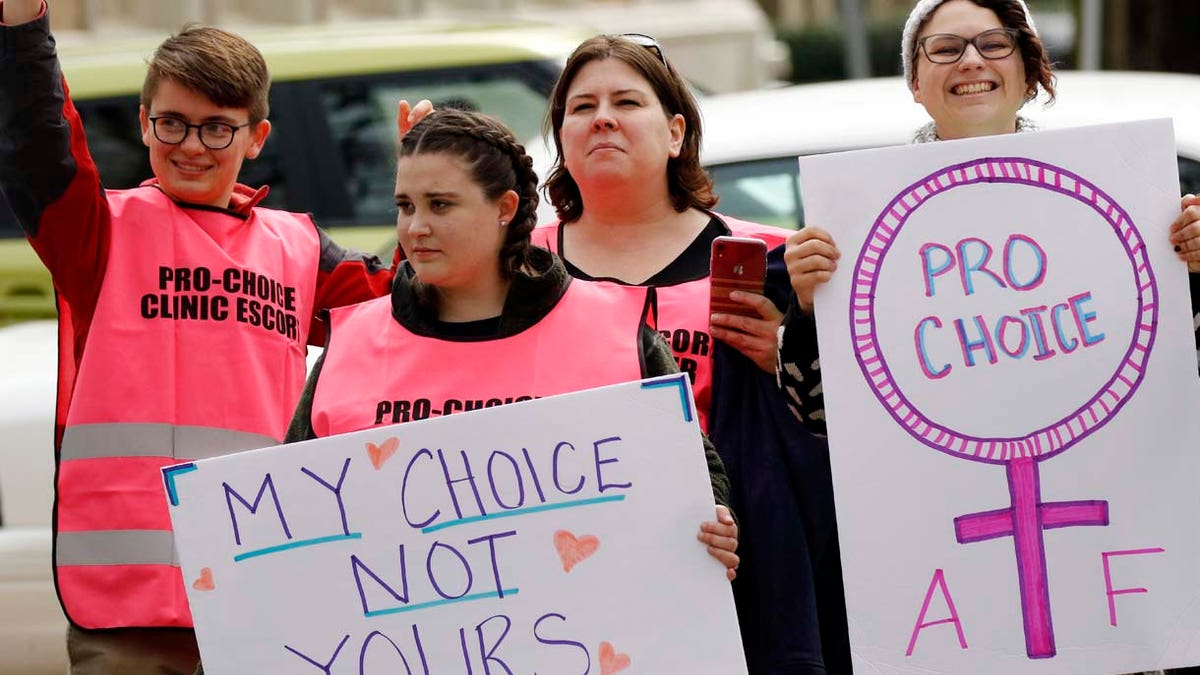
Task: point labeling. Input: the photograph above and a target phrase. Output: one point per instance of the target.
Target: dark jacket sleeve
(46, 172)
(301, 427)
(657, 360)
(788, 589)
(798, 369)
(798, 366)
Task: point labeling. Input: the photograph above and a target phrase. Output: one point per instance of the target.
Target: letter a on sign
(939, 581)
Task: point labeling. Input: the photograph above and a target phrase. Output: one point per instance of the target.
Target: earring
(503, 223)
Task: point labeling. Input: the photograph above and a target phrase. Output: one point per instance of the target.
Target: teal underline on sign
(296, 544)
(438, 603)
(521, 512)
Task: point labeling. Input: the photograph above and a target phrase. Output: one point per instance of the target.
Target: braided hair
(497, 163)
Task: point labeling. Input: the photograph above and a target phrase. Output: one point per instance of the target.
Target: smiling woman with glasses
(972, 64)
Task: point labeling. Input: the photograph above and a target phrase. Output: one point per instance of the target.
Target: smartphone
(738, 264)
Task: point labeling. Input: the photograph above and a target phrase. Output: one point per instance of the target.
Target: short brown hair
(224, 67)
(689, 184)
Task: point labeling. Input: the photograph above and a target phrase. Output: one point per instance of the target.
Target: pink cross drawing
(1025, 522)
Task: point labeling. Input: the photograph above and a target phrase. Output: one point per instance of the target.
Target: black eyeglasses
(213, 135)
(648, 42)
(997, 43)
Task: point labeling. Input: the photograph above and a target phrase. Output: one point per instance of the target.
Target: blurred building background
(723, 45)
(836, 39)
(1150, 34)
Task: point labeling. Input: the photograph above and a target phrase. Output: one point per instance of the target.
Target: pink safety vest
(196, 350)
(589, 339)
(683, 309)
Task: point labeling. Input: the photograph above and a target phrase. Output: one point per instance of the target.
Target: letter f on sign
(1108, 587)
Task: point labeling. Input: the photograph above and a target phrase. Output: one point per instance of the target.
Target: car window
(8, 222)
(1189, 176)
(764, 191)
(362, 117)
(115, 141)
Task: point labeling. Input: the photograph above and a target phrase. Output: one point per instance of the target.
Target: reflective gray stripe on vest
(115, 547)
(92, 441)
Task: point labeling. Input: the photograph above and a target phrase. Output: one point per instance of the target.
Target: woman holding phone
(634, 207)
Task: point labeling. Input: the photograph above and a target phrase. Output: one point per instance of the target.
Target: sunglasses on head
(648, 42)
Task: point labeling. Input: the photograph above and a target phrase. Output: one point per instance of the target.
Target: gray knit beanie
(924, 8)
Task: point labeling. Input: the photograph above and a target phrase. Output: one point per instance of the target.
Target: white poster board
(1011, 391)
(371, 552)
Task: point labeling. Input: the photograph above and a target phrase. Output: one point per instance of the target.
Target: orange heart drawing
(205, 582)
(572, 550)
(611, 660)
(380, 454)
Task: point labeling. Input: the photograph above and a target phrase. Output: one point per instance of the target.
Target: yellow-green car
(333, 108)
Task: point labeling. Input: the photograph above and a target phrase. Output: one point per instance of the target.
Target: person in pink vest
(474, 296)
(184, 313)
(635, 207)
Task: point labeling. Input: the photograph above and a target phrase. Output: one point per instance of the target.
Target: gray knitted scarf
(928, 133)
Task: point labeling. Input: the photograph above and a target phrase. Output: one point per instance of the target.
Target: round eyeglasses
(993, 44)
(213, 135)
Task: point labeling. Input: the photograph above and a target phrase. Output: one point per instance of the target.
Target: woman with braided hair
(474, 306)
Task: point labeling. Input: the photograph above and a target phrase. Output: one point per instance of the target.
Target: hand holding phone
(738, 264)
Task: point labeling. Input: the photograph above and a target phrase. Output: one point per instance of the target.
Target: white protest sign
(1010, 381)
(550, 536)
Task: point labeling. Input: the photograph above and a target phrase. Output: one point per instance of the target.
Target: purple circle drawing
(1056, 437)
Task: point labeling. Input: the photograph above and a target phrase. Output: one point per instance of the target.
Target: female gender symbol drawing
(1026, 518)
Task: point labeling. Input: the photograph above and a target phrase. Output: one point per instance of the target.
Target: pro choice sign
(1035, 305)
(550, 536)
(1003, 301)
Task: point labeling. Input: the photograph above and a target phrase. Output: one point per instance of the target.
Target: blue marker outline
(677, 381)
(521, 512)
(317, 541)
(438, 603)
(170, 473)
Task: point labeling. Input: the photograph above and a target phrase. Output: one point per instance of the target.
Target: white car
(32, 626)
(752, 139)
